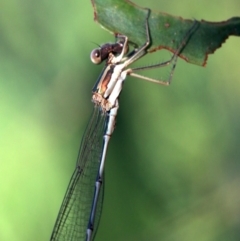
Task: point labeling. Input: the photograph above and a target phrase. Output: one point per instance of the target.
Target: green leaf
(167, 31)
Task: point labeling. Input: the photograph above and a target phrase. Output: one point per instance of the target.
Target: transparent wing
(72, 220)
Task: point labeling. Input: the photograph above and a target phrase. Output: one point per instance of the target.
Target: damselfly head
(102, 53)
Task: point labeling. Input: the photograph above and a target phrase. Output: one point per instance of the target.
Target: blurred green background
(172, 170)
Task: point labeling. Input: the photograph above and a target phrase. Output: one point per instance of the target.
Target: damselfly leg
(172, 60)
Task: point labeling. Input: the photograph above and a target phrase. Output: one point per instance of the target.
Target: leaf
(167, 31)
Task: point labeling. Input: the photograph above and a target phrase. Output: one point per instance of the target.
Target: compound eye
(95, 56)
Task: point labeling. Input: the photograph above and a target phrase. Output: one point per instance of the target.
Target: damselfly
(80, 211)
